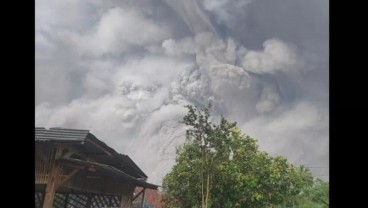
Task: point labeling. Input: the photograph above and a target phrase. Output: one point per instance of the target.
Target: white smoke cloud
(277, 56)
(186, 46)
(269, 100)
(121, 70)
(217, 58)
(69, 14)
(121, 26)
(191, 85)
(226, 10)
(117, 30)
(191, 13)
(288, 134)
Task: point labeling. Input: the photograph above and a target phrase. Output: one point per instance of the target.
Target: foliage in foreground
(315, 196)
(218, 166)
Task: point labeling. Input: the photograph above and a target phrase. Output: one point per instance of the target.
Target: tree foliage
(218, 166)
(314, 196)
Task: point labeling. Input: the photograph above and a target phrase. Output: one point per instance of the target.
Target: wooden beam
(42, 155)
(87, 167)
(126, 200)
(143, 197)
(73, 165)
(60, 183)
(55, 169)
(51, 185)
(72, 150)
(59, 152)
(136, 196)
(101, 148)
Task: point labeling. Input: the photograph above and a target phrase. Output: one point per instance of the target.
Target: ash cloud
(125, 69)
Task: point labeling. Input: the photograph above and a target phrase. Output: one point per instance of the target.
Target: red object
(152, 198)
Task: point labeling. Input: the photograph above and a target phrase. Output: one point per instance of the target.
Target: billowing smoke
(125, 69)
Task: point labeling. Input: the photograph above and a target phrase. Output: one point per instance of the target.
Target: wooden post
(143, 196)
(126, 197)
(51, 184)
(55, 168)
(125, 201)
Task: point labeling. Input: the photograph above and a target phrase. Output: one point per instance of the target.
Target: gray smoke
(125, 69)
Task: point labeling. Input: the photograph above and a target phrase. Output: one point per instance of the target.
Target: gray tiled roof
(60, 134)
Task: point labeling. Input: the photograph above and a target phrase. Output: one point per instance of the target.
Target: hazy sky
(125, 69)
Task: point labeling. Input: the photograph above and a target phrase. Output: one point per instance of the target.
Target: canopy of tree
(315, 196)
(220, 167)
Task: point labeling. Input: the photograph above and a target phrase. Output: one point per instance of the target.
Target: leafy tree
(314, 196)
(319, 193)
(218, 166)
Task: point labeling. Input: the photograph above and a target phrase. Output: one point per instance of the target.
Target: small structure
(75, 169)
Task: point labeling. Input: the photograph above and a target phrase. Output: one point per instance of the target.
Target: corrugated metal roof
(60, 134)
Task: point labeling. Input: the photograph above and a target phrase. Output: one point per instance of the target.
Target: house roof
(111, 170)
(104, 156)
(60, 134)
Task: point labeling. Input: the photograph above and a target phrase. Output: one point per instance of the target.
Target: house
(75, 169)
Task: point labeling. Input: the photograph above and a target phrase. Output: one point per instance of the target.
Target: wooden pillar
(126, 198)
(55, 168)
(51, 184)
(125, 202)
(143, 197)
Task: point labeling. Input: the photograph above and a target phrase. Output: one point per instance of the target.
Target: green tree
(319, 193)
(218, 166)
(314, 196)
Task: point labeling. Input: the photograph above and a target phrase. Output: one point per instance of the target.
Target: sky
(125, 69)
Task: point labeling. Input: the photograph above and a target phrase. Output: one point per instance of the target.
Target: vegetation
(315, 196)
(220, 167)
